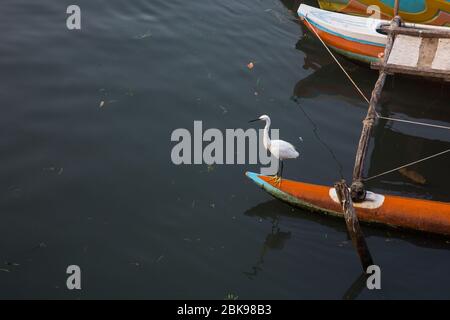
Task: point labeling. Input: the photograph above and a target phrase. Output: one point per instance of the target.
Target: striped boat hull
(354, 37)
(352, 49)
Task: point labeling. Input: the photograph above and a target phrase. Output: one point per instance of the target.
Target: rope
(414, 122)
(337, 61)
(407, 165)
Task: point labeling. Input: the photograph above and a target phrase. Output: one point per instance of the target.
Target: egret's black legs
(281, 170)
(279, 167)
(278, 181)
(277, 174)
(277, 177)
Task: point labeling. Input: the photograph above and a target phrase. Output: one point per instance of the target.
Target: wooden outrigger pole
(352, 223)
(358, 190)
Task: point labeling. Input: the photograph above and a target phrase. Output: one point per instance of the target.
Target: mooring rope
(337, 61)
(413, 122)
(407, 165)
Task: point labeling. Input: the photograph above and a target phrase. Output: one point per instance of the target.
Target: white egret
(280, 149)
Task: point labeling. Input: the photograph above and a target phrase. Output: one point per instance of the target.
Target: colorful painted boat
(400, 212)
(354, 37)
(433, 12)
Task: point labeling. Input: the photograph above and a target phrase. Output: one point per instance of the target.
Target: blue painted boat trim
(260, 182)
(286, 197)
(343, 36)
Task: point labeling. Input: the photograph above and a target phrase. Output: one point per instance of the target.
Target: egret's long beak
(254, 120)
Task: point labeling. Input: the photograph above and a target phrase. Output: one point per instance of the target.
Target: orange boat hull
(407, 213)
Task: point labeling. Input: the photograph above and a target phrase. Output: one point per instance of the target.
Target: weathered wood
(441, 59)
(357, 287)
(415, 71)
(396, 7)
(416, 32)
(427, 51)
(423, 26)
(405, 51)
(367, 128)
(420, 53)
(421, 57)
(353, 226)
(371, 115)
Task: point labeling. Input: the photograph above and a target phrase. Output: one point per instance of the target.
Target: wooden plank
(423, 33)
(442, 57)
(427, 53)
(416, 71)
(445, 30)
(405, 51)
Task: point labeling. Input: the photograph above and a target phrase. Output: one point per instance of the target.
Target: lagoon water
(86, 176)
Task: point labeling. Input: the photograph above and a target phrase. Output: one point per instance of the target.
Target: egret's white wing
(283, 150)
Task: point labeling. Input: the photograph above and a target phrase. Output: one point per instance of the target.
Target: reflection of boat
(355, 37)
(435, 12)
(293, 5)
(314, 58)
(407, 213)
(278, 213)
(398, 99)
(325, 81)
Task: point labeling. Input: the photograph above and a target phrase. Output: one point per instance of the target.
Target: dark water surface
(95, 186)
